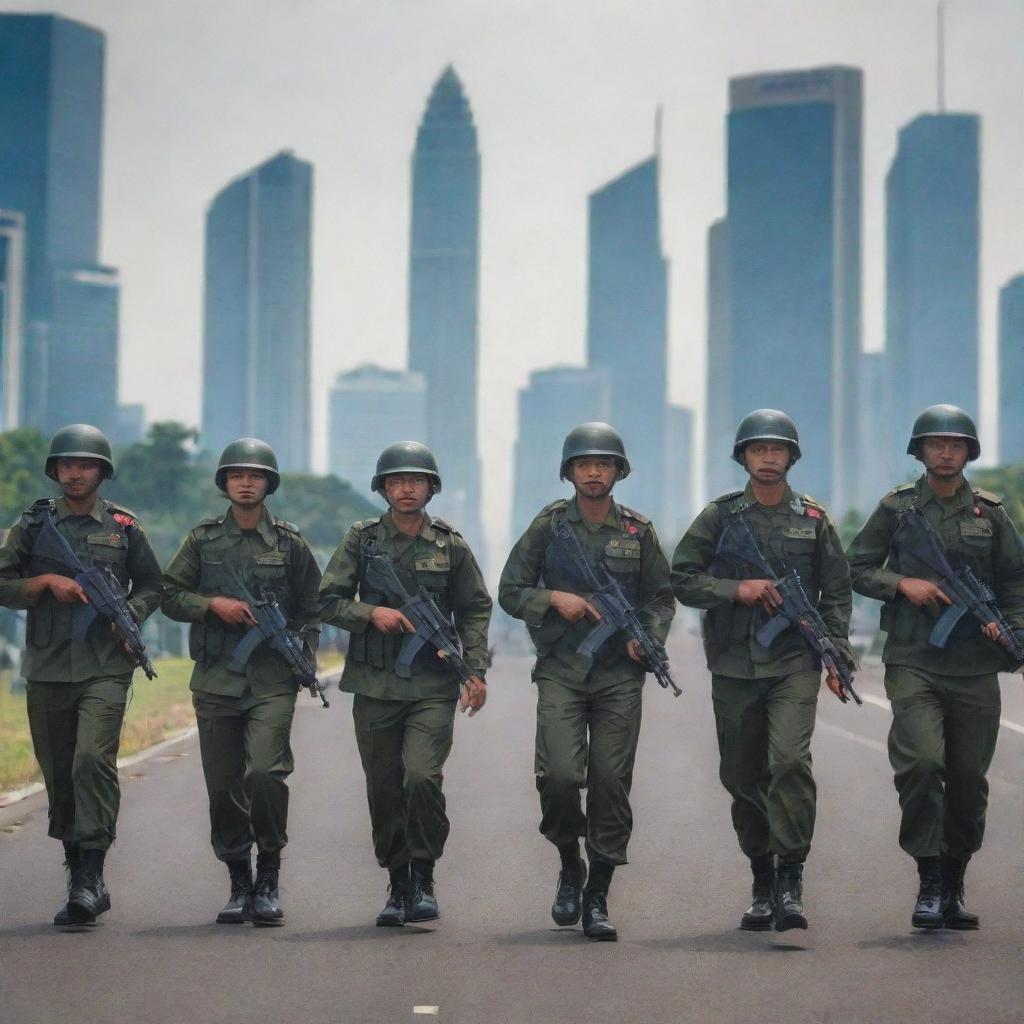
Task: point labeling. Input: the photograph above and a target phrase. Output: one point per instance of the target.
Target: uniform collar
(265, 527)
(964, 495)
(96, 512)
(574, 515)
(788, 497)
(427, 531)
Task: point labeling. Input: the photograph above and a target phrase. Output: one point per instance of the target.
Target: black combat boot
(422, 905)
(928, 909)
(265, 910)
(596, 924)
(236, 910)
(71, 857)
(568, 906)
(88, 897)
(760, 914)
(789, 897)
(954, 914)
(393, 914)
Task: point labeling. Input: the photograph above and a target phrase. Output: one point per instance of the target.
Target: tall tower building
(444, 261)
(256, 359)
(627, 324)
(51, 126)
(1011, 371)
(794, 213)
(554, 401)
(721, 474)
(12, 314)
(932, 238)
(369, 408)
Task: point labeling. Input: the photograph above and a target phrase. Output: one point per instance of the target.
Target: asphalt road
(495, 956)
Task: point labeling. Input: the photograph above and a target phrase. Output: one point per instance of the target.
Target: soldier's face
(79, 478)
(246, 487)
(944, 457)
(594, 476)
(407, 492)
(767, 462)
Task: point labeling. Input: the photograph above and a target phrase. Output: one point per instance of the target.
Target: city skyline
(532, 308)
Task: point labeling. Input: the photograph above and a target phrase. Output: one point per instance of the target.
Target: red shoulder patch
(978, 512)
(812, 512)
(120, 517)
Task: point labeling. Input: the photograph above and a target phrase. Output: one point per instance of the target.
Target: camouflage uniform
(765, 700)
(574, 697)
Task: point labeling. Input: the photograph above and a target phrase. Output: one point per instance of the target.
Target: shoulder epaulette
(211, 521)
(42, 505)
(366, 524)
(631, 513)
(444, 527)
(903, 488)
(558, 505)
(723, 498)
(285, 525)
(988, 497)
(122, 515)
(812, 507)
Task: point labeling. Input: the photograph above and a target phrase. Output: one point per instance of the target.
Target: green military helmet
(79, 441)
(406, 457)
(248, 453)
(945, 421)
(593, 439)
(765, 425)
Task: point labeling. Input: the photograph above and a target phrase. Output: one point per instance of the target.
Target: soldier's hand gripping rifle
(737, 543)
(616, 611)
(272, 627)
(107, 598)
(915, 536)
(431, 626)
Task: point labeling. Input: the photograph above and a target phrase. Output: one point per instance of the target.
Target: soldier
(765, 700)
(404, 724)
(945, 701)
(244, 716)
(77, 691)
(542, 587)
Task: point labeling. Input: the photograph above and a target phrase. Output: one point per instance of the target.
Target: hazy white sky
(563, 93)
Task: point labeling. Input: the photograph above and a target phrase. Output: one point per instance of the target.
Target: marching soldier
(945, 701)
(78, 689)
(765, 700)
(403, 712)
(576, 697)
(244, 714)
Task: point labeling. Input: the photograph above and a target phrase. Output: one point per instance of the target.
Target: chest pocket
(976, 545)
(110, 550)
(432, 573)
(212, 574)
(798, 544)
(622, 555)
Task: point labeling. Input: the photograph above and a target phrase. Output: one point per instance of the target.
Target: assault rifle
(107, 598)
(431, 626)
(272, 627)
(737, 542)
(616, 611)
(915, 536)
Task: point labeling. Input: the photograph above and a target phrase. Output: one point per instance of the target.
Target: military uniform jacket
(273, 556)
(975, 529)
(107, 536)
(438, 559)
(626, 543)
(797, 533)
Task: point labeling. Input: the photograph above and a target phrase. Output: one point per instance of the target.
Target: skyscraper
(1011, 371)
(721, 474)
(794, 213)
(12, 314)
(51, 125)
(444, 258)
(369, 408)
(627, 324)
(931, 309)
(256, 361)
(554, 401)
(881, 460)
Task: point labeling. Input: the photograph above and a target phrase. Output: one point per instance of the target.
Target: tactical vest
(621, 555)
(431, 571)
(50, 622)
(211, 639)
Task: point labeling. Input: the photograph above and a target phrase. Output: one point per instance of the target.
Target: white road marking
(881, 702)
(430, 1011)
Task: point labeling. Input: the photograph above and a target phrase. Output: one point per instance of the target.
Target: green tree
(22, 472)
(1008, 483)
